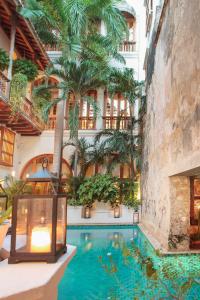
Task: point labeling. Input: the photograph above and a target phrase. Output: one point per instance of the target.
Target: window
(7, 140)
(116, 110)
(86, 112)
(129, 38)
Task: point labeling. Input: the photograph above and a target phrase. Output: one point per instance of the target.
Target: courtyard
(99, 150)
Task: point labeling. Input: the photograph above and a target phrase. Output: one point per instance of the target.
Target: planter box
(3, 232)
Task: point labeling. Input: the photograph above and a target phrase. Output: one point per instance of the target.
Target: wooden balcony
(127, 47)
(112, 122)
(85, 123)
(24, 122)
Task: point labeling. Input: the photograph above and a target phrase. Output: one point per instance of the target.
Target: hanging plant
(25, 67)
(4, 60)
(17, 92)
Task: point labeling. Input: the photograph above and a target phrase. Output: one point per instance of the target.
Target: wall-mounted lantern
(39, 221)
(87, 212)
(117, 211)
(136, 218)
(3, 200)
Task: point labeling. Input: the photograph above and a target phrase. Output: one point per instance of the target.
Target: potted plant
(4, 60)
(4, 225)
(101, 187)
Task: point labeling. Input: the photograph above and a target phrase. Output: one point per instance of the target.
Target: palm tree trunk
(132, 173)
(58, 138)
(77, 101)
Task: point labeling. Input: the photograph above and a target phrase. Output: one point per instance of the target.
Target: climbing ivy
(17, 92)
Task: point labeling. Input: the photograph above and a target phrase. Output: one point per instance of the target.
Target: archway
(35, 164)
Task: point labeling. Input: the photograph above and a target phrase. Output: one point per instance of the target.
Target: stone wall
(172, 124)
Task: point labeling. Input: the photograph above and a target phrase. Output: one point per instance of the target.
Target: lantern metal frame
(52, 255)
(117, 211)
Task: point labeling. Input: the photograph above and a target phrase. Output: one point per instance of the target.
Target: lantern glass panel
(61, 223)
(3, 203)
(34, 225)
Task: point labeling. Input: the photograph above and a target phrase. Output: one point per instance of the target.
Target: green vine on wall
(17, 92)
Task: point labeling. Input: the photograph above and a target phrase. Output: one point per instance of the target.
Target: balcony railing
(51, 124)
(112, 122)
(27, 109)
(85, 123)
(52, 48)
(4, 81)
(127, 46)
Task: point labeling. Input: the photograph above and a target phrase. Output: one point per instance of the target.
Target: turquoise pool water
(118, 263)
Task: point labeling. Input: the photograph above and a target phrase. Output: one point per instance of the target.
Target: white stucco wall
(4, 41)
(101, 213)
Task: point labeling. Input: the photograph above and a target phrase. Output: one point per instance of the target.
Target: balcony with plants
(16, 108)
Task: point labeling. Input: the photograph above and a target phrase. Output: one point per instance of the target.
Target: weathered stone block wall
(172, 125)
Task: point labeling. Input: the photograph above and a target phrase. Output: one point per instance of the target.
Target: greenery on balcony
(25, 67)
(4, 60)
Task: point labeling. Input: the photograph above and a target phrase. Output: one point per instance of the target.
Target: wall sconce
(136, 217)
(86, 212)
(117, 211)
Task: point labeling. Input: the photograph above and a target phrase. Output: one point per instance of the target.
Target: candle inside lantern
(40, 239)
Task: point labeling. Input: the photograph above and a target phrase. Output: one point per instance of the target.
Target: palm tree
(71, 26)
(78, 78)
(120, 147)
(82, 147)
(132, 90)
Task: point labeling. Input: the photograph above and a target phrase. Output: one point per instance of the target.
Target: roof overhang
(27, 42)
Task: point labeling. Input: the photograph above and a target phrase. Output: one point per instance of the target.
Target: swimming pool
(118, 263)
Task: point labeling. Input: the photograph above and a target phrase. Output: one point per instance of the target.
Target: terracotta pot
(3, 232)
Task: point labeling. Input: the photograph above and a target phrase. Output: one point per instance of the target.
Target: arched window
(54, 95)
(36, 163)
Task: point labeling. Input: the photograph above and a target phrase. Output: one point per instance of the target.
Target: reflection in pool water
(118, 263)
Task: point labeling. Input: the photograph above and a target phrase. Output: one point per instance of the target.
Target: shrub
(25, 67)
(4, 60)
(101, 187)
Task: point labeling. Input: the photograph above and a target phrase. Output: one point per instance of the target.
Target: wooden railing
(4, 81)
(51, 124)
(52, 48)
(84, 123)
(127, 46)
(112, 122)
(27, 109)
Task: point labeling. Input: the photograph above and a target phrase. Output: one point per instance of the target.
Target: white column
(12, 46)
(100, 101)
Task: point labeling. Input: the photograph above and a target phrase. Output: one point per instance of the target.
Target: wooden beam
(6, 8)
(25, 40)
